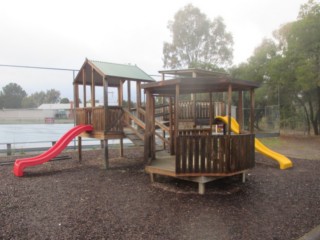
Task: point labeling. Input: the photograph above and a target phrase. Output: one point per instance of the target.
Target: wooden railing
(199, 109)
(194, 132)
(214, 155)
(115, 119)
(96, 117)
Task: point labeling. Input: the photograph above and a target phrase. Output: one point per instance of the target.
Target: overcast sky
(62, 33)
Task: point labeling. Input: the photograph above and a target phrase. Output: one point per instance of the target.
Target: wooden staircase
(134, 128)
(135, 136)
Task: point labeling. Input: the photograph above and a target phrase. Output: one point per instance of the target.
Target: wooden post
(162, 77)
(240, 112)
(210, 112)
(252, 111)
(176, 118)
(193, 99)
(76, 95)
(171, 126)
(105, 103)
(93, 98)
(79, 149)
(229, 108)
(9, 149)
(120, 93)
(129, 95)
(121, 147)
(152, 120)
(138, 93)
(84, 88)
(106, 153)
(147, 133)
(75, 101)
(106, 124)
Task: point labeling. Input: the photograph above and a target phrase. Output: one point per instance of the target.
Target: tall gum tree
(197, 41)
(299, 44)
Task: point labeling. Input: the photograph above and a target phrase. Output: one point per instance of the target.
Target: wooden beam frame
(229, 107)
(105, 145)
(84, 88)
(93, 92)
(176, 118)
(252, 111)
(240, 111)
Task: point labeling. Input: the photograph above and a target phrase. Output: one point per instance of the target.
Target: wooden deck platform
(165, 165)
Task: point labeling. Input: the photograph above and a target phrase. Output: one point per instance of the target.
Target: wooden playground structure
(177, 130)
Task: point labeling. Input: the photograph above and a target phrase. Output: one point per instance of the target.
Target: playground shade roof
(113, 72)
(199, 85)
(192, 72)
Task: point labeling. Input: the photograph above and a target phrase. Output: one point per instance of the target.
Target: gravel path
(69, 200)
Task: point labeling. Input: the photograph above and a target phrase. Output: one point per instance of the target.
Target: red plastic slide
(56, 149)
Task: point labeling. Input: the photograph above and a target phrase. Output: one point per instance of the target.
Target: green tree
(197, 41)
(65, 100)
(12, 96)
(257, 69)
(290, 65)
(299, 45)
(34, 100)
(52, 96)
(38, 98)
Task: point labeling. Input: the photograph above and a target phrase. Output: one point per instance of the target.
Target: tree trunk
(306, 114)
(313, 118)
(317, 116)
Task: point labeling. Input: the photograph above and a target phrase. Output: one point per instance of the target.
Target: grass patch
(272, 142)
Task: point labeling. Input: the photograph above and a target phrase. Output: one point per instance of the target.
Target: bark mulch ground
(72, 200)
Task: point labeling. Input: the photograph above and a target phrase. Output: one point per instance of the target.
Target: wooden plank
(190, 150)
(208, 154)
(176, 109)
(252, 111)
(203, 153)
(178, 155)
(171, 133)
(229, 107)
(183, 142)
(196, 154)
(240, 111)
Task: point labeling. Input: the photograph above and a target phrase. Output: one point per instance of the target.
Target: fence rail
(18, 147)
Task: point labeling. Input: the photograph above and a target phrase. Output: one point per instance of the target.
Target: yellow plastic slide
(259, 146)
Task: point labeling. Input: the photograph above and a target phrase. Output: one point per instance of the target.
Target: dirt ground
(72, 200)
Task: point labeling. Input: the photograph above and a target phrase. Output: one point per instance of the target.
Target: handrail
(159, 124)
(135, 119)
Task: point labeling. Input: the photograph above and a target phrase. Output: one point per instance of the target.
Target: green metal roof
(122, 71)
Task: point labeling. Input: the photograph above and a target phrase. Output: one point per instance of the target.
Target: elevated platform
(165, 165)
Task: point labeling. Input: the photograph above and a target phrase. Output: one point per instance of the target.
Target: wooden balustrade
(96, 117)
(115, 119)
(214, 155)
(195, 132)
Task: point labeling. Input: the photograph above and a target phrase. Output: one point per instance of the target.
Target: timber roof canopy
(113, 72)
(199, 85)
(192, 72)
